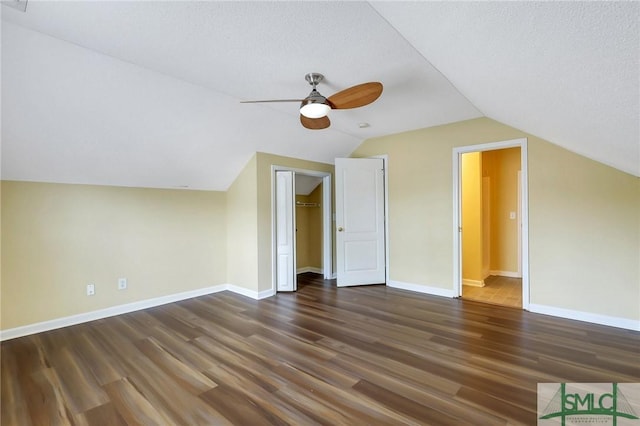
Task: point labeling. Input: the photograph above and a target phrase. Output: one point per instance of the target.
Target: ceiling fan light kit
(315, 107)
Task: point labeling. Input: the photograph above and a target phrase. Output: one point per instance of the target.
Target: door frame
(523, 207)
(327, 221)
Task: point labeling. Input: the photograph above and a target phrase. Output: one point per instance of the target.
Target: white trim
(263, 294)
(508, 274)
(457, 223)
(519, 223)
(418, 288)
(39, 327)
(524, 223)
(256, 295)
(625, 323)
(473, 283)
(385, 165)
(327, 227)
(310, 269)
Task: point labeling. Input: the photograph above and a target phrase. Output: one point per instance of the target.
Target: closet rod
(301, 204)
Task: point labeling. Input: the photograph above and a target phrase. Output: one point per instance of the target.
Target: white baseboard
(250, 293)
(508, 274)
(625, 323)
(310, 269)
(435, 291)
(39, 327)
(473, 283)
(265, 293)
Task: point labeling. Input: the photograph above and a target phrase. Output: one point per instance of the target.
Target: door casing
(523, 207)
(327, 222)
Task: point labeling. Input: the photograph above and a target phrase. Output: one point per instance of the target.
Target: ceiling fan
(315, 107)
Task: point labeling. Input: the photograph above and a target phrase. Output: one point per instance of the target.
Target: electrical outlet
(122, 283)
(91, 289)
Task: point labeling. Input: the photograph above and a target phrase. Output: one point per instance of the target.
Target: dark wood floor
(365, 355)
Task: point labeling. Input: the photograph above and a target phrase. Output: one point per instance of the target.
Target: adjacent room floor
(497, 290)
(322, 355)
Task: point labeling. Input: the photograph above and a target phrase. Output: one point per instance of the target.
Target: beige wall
(315, 229)
(242, 228)
(309, 230)
(302, 232)
(58, 238)
(502, 166)
(472, 215)
(584, 218)
(585, 221)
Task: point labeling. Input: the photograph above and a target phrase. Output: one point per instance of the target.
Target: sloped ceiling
(148, 93)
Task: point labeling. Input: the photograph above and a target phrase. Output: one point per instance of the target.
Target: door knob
(340, 229)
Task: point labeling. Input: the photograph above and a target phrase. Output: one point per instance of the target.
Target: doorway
(491, 223)
(304, 193)
(308, 224)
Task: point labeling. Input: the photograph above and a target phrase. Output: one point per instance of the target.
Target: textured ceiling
(148, 93)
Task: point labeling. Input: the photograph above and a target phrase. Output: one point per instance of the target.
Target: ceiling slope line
(425, 59)
(125, 61)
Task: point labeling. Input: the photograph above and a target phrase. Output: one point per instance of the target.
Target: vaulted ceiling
(148, 93)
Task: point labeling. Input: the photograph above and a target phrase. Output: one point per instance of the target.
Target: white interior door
(360, 242)
(285, 231)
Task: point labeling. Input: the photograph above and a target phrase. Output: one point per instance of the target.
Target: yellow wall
(302, 232)
(58, 238)
(502, 167)
(584, 218)
(472, 231)
(315, 229)
(309, 231)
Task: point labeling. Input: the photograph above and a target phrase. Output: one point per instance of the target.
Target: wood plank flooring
(364, 355)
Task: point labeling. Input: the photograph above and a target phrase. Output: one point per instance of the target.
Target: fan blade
(356, 96)
(315, 123)
(271, 100)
